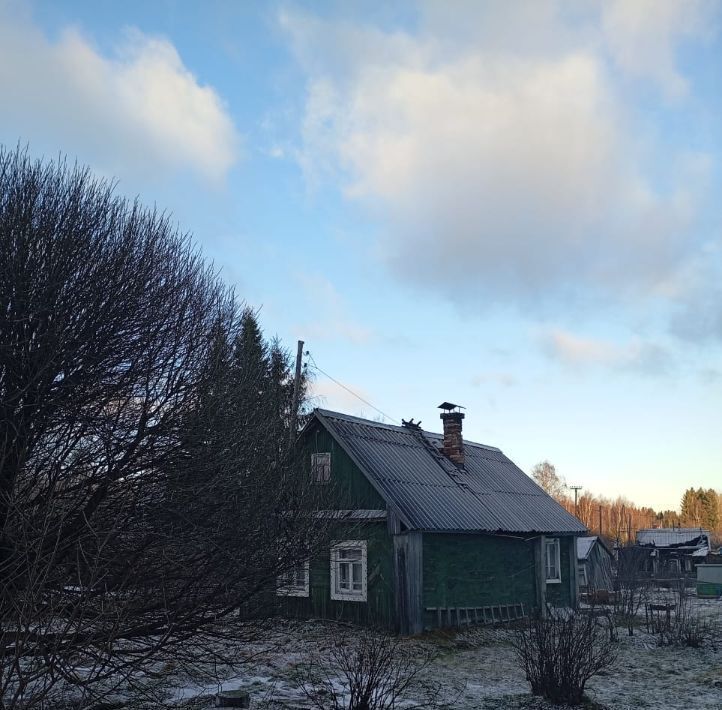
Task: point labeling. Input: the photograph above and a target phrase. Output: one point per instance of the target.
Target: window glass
(348, 571)
(321, 467)
(553, 572)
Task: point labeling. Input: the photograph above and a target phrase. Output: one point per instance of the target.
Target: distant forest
(620, 518)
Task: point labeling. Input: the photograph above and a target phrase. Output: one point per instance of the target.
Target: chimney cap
(450, 407)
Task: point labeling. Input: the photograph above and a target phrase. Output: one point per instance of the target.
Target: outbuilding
(595, 562)
(674, 552)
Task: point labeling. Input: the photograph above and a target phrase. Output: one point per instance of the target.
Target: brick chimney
(453, 447)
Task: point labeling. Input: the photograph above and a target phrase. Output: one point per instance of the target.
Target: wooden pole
(576, 489)
(600, 519)
(296, 394)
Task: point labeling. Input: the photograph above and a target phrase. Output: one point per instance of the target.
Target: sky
(510, 206)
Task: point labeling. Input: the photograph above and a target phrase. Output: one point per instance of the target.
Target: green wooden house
(429, 530)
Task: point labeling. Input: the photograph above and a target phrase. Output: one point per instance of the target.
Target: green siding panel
(348, 488)
(476, 571)
(560, 594)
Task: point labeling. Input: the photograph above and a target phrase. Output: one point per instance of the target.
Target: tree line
(619, 518)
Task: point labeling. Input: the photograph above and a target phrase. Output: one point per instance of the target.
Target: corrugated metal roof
(584, 545)
(490, 494)
(673, 537)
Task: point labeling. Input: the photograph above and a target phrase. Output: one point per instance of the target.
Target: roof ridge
(331, 414)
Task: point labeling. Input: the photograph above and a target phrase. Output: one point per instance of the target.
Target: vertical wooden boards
(408, 582)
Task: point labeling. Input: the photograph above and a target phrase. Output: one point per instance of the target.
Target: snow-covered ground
(479, 669)
(476, 667)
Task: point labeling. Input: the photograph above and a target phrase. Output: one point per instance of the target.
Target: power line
(350, 391)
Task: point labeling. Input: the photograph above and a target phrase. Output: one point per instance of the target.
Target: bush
(561, 653)
(369, 670)
(633, 587)
(686, 627)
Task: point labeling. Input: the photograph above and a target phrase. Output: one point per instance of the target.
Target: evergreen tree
(699, 508)
(279, 395)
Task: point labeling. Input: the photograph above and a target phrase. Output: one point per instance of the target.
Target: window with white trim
(321, 467)
(582, 573)
(348, 571)
(294, 582)
(551, 560)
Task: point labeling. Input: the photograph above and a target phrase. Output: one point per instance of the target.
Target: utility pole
(575, 489)
(600, 519)
(296, 389)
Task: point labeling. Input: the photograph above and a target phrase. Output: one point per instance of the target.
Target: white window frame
(321, 467)
(338, 594)
(582, 572)
(552, 542)
(284, 589)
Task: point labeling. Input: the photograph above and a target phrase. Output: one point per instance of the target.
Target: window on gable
(349, 571)
(294, 582)
(321, 467)
(551, 560)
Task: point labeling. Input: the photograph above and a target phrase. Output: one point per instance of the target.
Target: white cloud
(503, 379)
(498, 173)
(331, 320)
(138, 111)
(327, 394)
(642, 36)
(578, 351)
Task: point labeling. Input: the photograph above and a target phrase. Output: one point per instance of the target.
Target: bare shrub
(560, 654)
(633, 587)
(369, 670)
(687, 627)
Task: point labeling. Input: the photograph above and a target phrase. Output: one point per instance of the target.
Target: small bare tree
(685, 626)
(545, 474)
(370, 670)
(559, 654)
(633, 586)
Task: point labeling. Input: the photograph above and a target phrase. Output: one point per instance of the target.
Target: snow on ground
(479, 668)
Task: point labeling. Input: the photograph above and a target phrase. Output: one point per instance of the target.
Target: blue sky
(512, 206)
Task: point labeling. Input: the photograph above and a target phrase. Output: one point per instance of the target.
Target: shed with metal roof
(595, 564)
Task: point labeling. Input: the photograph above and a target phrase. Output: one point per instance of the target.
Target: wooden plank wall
(408, 582)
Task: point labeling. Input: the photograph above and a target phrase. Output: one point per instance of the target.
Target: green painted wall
(485, 570)
(348, 489)
(475, 571)
(379, 607)
(560, 594)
